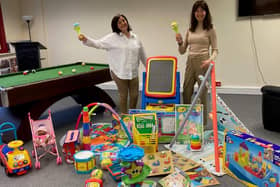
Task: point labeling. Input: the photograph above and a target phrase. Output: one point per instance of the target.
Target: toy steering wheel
(15, 144)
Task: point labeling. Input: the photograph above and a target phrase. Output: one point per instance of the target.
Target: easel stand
(210, 74)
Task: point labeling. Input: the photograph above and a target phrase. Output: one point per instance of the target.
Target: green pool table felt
(15, 79)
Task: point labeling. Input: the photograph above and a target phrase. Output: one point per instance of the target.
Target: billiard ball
(33, 71)
(60, 73)
(91, 68)
(83, 64)
(73, 70)
(25, 72)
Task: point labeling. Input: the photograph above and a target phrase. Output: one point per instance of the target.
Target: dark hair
(114, 23)
(207, 22)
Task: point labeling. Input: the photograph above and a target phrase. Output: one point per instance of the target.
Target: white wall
(237, 66)
(12, 20)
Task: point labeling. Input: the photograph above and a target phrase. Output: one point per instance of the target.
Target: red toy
(71, 145)
(94, 182)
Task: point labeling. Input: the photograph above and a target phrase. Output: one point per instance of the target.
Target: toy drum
(84, 162)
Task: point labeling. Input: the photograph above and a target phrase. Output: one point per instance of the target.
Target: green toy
(77, 28)
(175, 27)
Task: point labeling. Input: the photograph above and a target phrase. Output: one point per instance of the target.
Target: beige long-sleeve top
(200, 42)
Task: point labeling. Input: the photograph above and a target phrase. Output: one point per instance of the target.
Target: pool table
(37, 90)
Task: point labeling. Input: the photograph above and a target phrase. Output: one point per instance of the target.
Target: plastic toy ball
(97, 174)
(106, 162)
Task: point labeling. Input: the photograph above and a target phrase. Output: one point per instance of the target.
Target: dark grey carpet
(65, 113)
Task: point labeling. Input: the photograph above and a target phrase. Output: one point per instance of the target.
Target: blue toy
(133, 168)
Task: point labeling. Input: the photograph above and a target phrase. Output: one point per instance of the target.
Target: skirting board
(222, 90)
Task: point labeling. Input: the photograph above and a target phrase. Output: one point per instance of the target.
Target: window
(3, 43)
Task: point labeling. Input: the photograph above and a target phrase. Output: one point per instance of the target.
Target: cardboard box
(251, 160)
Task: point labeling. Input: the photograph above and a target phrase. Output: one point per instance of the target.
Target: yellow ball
(97, 174)
(106, 162)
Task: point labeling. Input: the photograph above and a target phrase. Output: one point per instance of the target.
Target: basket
(148, 141)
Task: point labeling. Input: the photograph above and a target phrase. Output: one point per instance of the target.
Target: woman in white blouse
(125, 51)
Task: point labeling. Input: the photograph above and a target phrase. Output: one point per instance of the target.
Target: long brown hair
(207, 22)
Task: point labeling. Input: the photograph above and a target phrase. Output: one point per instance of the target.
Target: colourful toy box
(145, 132)
(165, 120)
(251, 160)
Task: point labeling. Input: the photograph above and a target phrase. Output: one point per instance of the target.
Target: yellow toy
(106, 162)
(18, 160)
(161, 107)
(84, 162)
(145, 132)
(77, 28)
(13, 156)
(97, 174)
(175, 27)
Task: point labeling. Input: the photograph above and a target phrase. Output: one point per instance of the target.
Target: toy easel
(209, 74)
(161, 82)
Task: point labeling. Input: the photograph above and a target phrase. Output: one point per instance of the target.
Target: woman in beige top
(200, 41)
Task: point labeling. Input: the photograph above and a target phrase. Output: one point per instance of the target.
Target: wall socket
(218, 83)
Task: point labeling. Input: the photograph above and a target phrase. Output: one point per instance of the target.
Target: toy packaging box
(251, 160)
(192, 133)
(166, 123)
(145, 132)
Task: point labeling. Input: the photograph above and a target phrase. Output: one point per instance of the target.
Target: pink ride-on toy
(43, 138)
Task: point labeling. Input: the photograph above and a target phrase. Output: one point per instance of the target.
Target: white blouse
(124, 54)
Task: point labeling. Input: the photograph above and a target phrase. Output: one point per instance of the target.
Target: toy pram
(43, 138)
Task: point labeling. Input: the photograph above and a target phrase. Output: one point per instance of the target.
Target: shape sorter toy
(251, 160)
